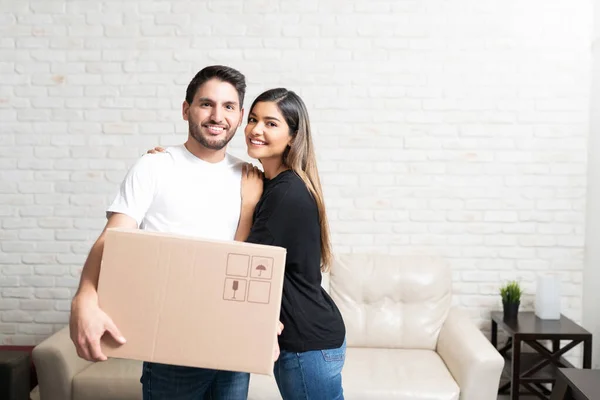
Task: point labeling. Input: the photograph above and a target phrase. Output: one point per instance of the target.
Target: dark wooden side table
(531, 370)
(14, 375)
(28, 349)
(576, 384)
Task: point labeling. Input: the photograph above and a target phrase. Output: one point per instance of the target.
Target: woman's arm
(252, 188)
(245, 224)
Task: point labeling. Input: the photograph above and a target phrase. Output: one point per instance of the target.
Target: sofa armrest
(56, 363)
(471, 359)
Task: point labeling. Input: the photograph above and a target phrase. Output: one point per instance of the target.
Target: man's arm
(88, 283)
(88, 322)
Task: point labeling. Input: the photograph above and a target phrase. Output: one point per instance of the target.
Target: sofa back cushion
(391, 301)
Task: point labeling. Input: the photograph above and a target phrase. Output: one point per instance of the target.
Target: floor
(507, 397)
(35, 396)
(522, 397)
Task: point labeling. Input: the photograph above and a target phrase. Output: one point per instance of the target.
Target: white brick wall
(456, 128)
(591, 272)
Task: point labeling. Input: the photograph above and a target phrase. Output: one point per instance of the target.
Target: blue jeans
(172, 382)
(312, 375)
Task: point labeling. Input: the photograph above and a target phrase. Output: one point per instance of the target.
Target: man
(195, 189)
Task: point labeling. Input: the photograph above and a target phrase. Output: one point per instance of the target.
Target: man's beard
(207, 141)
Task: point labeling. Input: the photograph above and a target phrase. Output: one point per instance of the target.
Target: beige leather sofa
(405, 341)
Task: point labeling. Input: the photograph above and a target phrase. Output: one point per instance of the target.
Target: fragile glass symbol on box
(235, 289)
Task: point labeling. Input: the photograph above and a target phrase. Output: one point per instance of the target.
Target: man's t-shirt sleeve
(137, 189)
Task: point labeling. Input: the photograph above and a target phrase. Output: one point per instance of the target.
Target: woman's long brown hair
(300, 156)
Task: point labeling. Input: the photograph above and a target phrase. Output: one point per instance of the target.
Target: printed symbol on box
(237, 265)
(235, 289)
(259, 292)
(262, 267)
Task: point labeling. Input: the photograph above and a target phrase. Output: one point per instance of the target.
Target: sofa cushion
(397, 374)
(108, 380)
(381, 374)
(391, 301)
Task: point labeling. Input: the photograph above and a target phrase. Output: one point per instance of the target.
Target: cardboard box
(189, 301)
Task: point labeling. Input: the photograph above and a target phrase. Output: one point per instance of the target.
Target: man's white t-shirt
(178, 192)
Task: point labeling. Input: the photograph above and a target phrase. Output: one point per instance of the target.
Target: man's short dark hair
(222, 73)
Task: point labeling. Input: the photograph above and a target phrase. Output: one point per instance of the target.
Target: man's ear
(184, 110)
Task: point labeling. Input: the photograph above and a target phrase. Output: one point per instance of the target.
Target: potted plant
(511, 299)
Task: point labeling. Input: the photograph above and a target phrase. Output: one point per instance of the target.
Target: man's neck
(208, 155)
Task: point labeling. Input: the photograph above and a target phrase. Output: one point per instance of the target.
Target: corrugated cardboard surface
(189, 301)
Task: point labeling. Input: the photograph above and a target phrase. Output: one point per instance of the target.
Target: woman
(291, 214)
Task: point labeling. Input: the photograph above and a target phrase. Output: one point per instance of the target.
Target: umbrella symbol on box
(260, 268)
